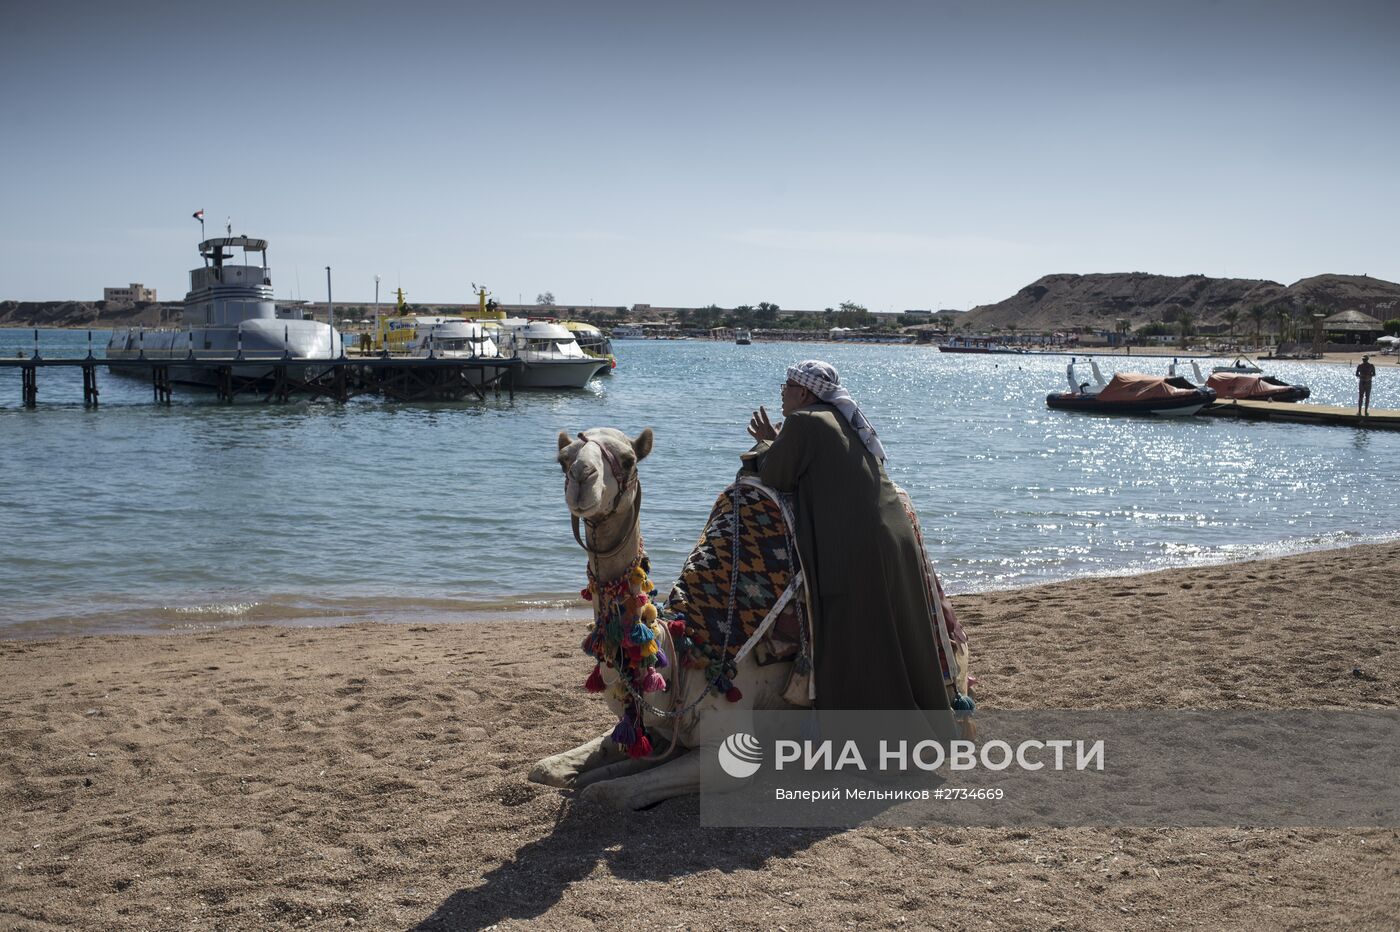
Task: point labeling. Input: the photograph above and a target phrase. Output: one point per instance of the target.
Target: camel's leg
(623, 768)
(678, 777)
(562, 769)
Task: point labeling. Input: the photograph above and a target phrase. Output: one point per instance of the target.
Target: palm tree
(1232, 317)
(1285, 317)
(1257, 312)
(1187, 322)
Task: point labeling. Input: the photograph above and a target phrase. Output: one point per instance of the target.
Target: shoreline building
(135, 293)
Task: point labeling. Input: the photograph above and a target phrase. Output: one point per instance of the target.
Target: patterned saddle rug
(746, 548)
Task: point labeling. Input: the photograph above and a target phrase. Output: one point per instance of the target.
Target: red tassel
(677, 627)
(586, 593)
(634, 652)
(733, 694)
(595, 682)
(640, 748)
(641, 600)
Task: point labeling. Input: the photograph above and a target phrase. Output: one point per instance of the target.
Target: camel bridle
(623, 479)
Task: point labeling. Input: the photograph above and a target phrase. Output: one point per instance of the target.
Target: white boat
(552, 357)
(628, 332)
(742, 338)
(450, 338)
(1241, 366)
(229, 313)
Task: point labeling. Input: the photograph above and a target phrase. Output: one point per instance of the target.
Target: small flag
(198, 215)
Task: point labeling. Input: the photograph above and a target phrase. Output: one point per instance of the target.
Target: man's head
(1365, 358)
(807, 383)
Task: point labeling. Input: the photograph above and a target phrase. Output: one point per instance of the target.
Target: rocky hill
(95, 314)
(1100, 300)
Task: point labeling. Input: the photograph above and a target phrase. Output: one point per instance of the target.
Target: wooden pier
(399, 378)
(1304, 414)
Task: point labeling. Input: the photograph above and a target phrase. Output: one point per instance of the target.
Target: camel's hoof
(551, 776)
(606, 793)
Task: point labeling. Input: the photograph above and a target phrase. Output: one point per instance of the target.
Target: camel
(603, 492)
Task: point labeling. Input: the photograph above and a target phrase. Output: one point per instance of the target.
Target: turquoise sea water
(138, 517)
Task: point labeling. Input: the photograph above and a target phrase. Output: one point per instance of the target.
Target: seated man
(872, 639)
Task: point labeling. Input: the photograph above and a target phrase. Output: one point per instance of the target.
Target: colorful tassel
(589, 642)
(640, 634)
(653, 682)
(661, 661)
(648, 613)
(595, 682)
(586, 593)
(625, 733)
(964, 703)
(640, 748)
(677, 626)
(733, 694)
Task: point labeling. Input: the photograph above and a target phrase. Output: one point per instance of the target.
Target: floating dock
(399, 378)
(1305, 414)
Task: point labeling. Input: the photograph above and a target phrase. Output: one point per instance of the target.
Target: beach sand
(373, 776)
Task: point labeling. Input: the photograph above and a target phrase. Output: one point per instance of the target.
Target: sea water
(139, 517)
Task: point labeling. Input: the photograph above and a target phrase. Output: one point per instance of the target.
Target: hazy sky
(903, 155)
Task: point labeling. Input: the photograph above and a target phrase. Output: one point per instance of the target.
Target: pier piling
(90, 391)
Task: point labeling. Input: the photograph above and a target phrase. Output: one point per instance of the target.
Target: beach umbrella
(1391, 340)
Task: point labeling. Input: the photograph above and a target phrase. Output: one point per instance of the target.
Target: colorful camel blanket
(747, 547)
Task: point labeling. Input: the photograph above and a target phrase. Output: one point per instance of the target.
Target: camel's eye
(627, 463)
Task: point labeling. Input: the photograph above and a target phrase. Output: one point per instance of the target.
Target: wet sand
(373, 776)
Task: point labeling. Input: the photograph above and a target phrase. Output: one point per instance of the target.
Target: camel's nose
(583, 488)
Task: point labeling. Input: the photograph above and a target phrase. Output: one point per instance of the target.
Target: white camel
(602, 490)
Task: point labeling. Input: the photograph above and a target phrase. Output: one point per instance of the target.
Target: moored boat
(551, 355)
(1241, 386)
(1131, 393)
(229, 313)
(1241, 366)
(742, 338)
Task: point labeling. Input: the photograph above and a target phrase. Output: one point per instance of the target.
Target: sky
(896, 154)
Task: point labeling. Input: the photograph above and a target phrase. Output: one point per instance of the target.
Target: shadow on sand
(660, 844)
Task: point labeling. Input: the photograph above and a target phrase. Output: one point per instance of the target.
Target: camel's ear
(642, 445)
(564, 439)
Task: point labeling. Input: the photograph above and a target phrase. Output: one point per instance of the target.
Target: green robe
(873, 640)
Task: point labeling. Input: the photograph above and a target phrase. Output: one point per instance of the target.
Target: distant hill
(1065, 300)
(95, 314)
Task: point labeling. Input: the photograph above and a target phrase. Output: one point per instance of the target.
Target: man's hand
(760, 428)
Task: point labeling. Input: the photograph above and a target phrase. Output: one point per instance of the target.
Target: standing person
(872, 637)
(1364, 374)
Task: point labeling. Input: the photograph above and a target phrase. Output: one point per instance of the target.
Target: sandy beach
(373, 776)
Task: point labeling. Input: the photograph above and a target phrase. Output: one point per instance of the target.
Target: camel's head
(596, 465)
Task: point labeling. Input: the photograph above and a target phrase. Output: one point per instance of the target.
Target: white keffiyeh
(820, 379)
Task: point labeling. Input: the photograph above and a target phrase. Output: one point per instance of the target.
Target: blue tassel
(641, 634)
(722, 684)
(964, 703)
(625, 733)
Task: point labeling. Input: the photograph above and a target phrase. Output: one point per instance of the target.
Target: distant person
(1364, 374)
